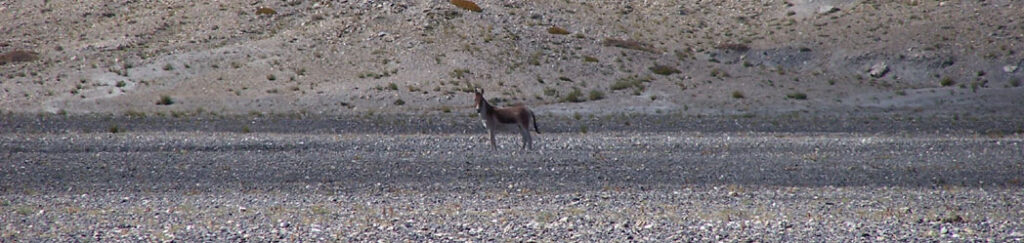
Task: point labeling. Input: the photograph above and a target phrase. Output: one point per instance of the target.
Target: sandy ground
(825, 120)
(698, 184)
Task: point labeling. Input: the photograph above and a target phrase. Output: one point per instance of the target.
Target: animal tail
(534, 118)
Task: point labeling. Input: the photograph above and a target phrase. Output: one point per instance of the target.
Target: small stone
(878, 70)
(1010, 68)
(827, 9)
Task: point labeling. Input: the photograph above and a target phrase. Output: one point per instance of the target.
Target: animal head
(478, 94)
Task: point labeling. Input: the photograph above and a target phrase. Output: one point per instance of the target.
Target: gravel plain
(293, 179)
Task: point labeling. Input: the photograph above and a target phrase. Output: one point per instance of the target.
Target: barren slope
(733, 57)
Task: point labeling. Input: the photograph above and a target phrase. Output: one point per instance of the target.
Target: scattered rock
(878, 70)
(1010, 68)
(827, 9)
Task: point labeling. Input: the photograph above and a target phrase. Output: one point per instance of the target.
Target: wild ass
(515, 118)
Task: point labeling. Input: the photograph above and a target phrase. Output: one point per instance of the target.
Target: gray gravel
(948, 184)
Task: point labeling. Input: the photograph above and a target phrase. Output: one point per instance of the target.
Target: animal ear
(479, 91)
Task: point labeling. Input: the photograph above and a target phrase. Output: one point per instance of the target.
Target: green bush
(947, 81)
(596, 95)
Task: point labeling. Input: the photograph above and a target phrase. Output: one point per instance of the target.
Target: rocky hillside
(350, 57)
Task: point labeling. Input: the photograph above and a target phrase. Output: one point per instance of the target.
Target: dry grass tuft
(663, 70)
(628, 44)
(265, 11)
(575, 96)
(165, 100)
(797, 96)
(18, 56)
(555, 30)
(467, 5)
(737, 47)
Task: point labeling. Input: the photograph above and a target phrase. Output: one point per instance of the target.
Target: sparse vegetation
(134, 114)
(392, 86)
(271, 77)
(467, 5)
(18, 56)
(555, 30)
(737, 47)
(947, 81)
(629, 44)
(663, 70)
(797, 96)
(114, 128)
(399, 102)
(635, 82)
(534, 58)
(719, 73)
(574, 96)
(165, 100)
(23, 210)
(738, 95)
(459, 73)
(265, 11)
(589, 59)
(550, 91)
(596, 95)
(168, 67)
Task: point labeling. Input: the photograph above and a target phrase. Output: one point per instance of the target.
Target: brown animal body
(517, 118)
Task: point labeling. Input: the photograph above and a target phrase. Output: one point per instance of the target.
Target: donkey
(515, 118)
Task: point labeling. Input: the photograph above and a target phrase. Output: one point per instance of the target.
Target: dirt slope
(350, 57)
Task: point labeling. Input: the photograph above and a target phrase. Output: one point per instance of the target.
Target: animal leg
(527, 139)
(494, 144)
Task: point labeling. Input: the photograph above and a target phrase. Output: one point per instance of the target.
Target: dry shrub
(737, 47)
(18, 56)
(467, 5)
(628, 44)
(664, 70)
(555, 30)
(265, 11)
